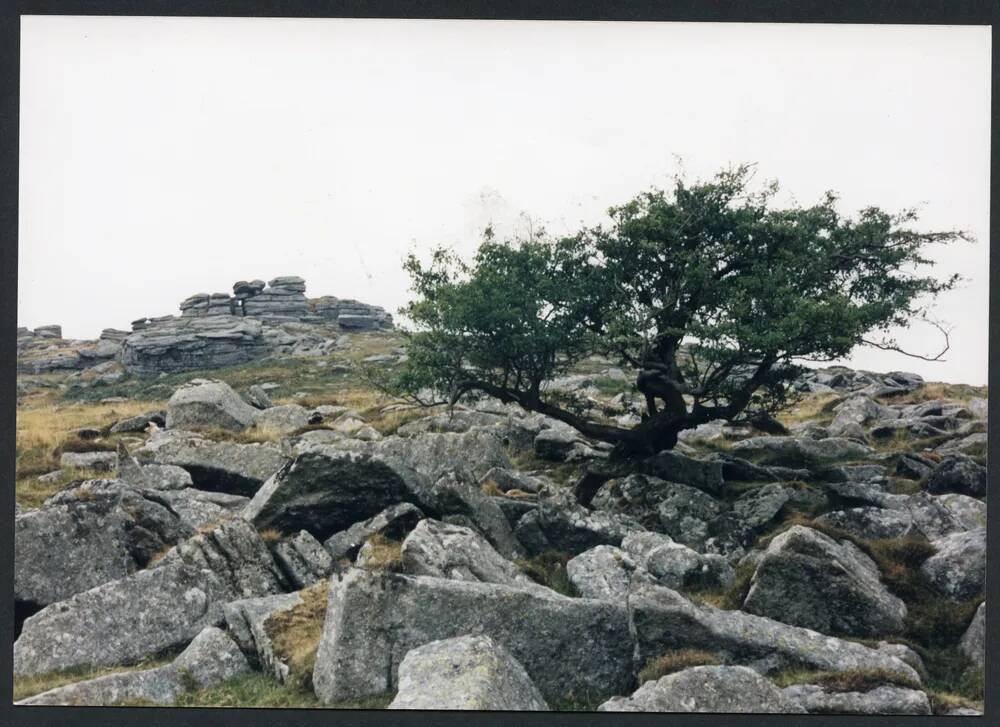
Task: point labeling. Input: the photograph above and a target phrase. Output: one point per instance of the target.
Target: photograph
(499, 365)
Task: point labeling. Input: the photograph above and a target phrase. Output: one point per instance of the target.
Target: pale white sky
(164, 157)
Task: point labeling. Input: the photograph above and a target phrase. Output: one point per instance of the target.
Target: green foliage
(709, 292)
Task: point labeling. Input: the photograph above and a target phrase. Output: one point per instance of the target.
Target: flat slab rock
(664, 620)
(885, 699)
(707, 689)
(374, 619)
(124, 621)
(210, 659)
(466, 672)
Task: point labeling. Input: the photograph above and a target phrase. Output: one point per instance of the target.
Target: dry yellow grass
(295, 633)
(381, 553)
(270, 535)
(47, 425)
(489, 487)
(674, 661)
(815, 408)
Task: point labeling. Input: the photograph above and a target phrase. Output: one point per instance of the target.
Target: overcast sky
(165, 157)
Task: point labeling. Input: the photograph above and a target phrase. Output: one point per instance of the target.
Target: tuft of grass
(817, 409)
(389, 422)
(549, 569)
(958, 393)
(674, 661)
(270, 535)
(942, 702)
(852, 680)
(29, 686)
(489, 487)
(264, 691)
(295, 634)
(563, 473)
(382, 553)
(730, 599)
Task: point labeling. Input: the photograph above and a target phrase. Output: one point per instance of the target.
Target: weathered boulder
(457, 421)
(958, 473)
(681, 511)
(665, 620)
(705, 475)
(96, 532)
(374, 619)
(973, 642)
(442, 550)
(871, 523)
(140, 422)
(96, 461)
(208, 404)
(326, 490)
(210, 659)
(884, 699)
(560, 523)
(394, 523)
(602, 572)
(283, 419)
(127, 620)
(958, 567)
(238, 469)
(247, 620)
(675, 565)
(257, 397)
(473, 453)
(200, 509)
(796, 452)
(706, 689)
(852, 413)
(465, 672)
(451, 497)
(303, 559)
(808, 579)
(562, 443)
(506, 480)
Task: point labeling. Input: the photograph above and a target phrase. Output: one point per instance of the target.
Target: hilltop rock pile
(213, 330)
(257, 321)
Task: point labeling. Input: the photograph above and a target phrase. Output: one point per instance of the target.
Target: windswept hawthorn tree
(708, 291)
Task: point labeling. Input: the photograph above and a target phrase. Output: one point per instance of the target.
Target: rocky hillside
(214, 509)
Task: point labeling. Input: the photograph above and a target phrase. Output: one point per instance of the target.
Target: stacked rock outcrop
(282, 301)
(352, 314)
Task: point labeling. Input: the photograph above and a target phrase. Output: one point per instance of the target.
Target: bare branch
(892, 346)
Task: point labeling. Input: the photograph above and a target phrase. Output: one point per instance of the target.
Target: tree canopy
(709, 291)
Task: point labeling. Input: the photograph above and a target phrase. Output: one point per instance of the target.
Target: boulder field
(449, 562)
